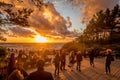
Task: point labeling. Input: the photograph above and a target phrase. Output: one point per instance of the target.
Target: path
(88, 72)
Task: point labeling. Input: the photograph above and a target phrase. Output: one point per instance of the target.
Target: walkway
(88, 72)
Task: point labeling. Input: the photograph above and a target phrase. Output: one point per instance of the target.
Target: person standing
(56, 62)
(11, 64)
(108, 60)
(72, 59)
(78, 60)
(62, 60)
(40, 74)
(16, 75)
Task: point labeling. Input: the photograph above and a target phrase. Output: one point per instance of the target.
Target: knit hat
(108, 51)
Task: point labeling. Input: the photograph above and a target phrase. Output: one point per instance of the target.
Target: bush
(3, 59)
(3, 52)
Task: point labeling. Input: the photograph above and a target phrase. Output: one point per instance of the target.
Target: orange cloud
(46, 22)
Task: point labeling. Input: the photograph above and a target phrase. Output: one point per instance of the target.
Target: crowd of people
(17, 65)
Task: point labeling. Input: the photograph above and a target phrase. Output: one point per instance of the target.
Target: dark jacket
(11, 64)
(91, 55)
(109, 59)
(79, 57)
(57, 60)
(40, 75)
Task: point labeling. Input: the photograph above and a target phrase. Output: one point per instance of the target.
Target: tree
(102, 26)
(3, 52)
(18, 17)
(110, 20)
(73, 46)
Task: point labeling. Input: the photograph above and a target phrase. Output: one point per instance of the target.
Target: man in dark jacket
(91, 56)
(109, 58)
(40, 74)
(78, 60)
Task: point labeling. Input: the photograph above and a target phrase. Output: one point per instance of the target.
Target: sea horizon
(32, 45)
(33, 42)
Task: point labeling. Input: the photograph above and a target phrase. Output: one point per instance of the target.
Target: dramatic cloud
(21, 32)
(90, 7)
(49, 22)
(46, 22)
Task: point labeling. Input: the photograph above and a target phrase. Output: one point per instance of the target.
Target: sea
(20, 46)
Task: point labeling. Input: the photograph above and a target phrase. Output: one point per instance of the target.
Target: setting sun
(39, 38)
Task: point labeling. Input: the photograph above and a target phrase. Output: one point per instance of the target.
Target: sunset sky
(60, 21)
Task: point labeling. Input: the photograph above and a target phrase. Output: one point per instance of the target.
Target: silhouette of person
(16, 75)
(40, 74)
(57, 63)
(63, 59)
(11, 64)
(108, 61)
(91, 56)
(72, 59)
(14, 71)
(78, 60)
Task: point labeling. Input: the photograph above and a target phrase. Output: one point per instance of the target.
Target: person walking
(40, 74)
(78, 60)
(91, 56)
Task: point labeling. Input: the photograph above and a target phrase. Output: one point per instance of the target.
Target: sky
(60, 21)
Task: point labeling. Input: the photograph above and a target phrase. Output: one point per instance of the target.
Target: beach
(28, 46)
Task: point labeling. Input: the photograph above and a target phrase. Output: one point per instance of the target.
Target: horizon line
(34, 42)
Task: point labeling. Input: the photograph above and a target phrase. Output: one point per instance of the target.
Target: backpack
(112, 58)
(79, 57)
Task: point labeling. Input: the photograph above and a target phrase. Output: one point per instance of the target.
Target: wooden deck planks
(88, 72)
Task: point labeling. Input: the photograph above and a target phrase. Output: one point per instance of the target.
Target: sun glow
(41, 39)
